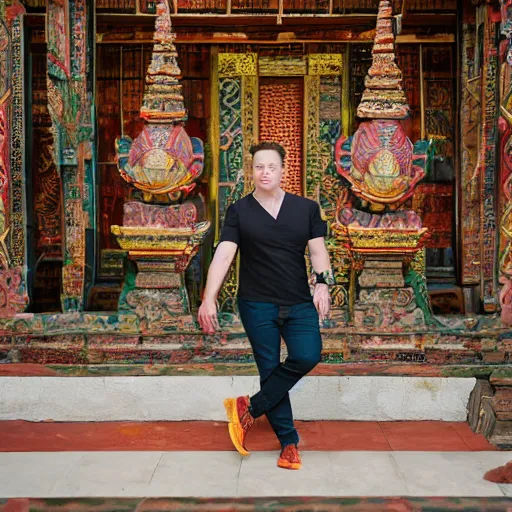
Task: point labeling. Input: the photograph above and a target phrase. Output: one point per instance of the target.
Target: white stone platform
(226, 474)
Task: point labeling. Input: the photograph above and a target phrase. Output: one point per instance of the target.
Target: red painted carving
(154, 216)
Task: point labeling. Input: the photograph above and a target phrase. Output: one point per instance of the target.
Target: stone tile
(492, 459)
(444, 474)
(350, 435)
(260, 476)
(226, 474)
(119, 398)
(19, 397)
(506, 489)
(33, 474)
(475, 442)
(198, 474)
(108, 474)
(422, 436)
(366, 474)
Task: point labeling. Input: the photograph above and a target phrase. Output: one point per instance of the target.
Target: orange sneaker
(240, 421)
(290, 458)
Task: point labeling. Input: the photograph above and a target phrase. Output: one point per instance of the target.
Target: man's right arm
(222, 260)
(224, 256)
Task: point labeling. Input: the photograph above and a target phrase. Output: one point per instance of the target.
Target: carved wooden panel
(281, 120)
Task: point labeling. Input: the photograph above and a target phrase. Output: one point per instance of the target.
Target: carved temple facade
(125, 129)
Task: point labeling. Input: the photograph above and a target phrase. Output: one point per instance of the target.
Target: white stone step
(177, 398)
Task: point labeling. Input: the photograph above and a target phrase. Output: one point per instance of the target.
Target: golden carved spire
(384, 97)
(163, 98)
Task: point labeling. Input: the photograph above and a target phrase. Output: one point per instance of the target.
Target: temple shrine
(125, 135)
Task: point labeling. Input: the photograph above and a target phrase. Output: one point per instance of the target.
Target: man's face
(267, 169)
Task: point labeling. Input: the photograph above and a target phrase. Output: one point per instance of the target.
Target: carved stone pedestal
(158, 297)
(384, 301)
(490, 408)
(380, 297)
(154, 288)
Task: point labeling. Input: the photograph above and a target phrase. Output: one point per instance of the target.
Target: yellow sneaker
(240, 421)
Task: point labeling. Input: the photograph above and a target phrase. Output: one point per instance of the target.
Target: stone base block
(482, 393)
(159, 308)
(490, 408)
(158, 280)
(502, 435)
(382, 274)
(388, 308)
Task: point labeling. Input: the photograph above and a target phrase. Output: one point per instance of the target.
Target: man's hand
(207, 317)
(322, 301)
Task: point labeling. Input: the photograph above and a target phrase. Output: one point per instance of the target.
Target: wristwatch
(325, 277)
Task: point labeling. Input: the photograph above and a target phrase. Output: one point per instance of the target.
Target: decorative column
(13, 296)
(383, 167)
(505, 203)
(490, 404)
(469, 193)
(488, 165)
(163, 233)
(69, 70)
(323, 106)
(235, 110)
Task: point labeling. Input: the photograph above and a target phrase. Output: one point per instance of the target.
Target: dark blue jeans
(265, 324)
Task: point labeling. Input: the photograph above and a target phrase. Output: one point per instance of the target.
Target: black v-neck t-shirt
(272, 263)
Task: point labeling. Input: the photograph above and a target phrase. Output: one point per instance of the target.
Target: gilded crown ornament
(380, 162)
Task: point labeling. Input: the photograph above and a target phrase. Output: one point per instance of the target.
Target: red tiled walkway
(23, 436)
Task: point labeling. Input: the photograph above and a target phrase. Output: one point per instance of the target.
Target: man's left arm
(322, 267)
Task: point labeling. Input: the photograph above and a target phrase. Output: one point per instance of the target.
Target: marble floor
(225, 474)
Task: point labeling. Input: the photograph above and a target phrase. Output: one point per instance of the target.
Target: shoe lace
(246, 420)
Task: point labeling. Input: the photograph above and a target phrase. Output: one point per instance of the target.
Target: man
(272, 229)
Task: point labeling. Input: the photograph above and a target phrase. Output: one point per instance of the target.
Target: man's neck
(268, 195)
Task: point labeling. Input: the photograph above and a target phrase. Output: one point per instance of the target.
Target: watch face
(325, 278)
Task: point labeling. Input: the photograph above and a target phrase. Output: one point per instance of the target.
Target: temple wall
(75, 82)
(13, 264)
(235, 91)
(69, 101)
